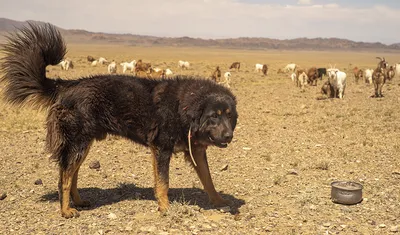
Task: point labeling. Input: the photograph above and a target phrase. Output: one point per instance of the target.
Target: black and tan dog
(179, 114)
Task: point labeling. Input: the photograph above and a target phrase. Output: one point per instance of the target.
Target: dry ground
(288, 147)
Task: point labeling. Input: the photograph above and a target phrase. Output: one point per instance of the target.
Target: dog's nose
(228, 136)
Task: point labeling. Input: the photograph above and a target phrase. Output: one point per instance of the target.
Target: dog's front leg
(161, 160)
(203, 171)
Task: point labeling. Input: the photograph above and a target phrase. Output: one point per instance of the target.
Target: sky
(358, 20)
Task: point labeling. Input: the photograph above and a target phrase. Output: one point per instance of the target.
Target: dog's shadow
(101, 197)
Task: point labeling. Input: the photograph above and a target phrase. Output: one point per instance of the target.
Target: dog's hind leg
(203, 171)
(76, 198)
(161, 161)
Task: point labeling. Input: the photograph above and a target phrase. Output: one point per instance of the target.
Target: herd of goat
(333, 88)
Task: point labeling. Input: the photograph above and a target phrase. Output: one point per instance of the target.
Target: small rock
(396, 172)
(313, 207)
(38, 182)
(3, 196)
(326, 224)
(224, 168)
(149, 229)
(292, 172)
(382, 226)
(225, 209)
(394, 229)
(94, 165)
(246, 148)
(112, 216)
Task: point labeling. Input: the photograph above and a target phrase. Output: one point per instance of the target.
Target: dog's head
(217, 121)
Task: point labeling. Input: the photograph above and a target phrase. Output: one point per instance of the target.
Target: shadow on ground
(101, 197)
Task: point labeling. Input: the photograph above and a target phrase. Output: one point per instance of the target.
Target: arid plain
(288, 147)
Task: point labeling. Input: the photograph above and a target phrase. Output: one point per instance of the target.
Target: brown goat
(379, 79)
(235, 65)
(158, 74)
(265, 69)
(140, 66)
(328, 89)
(390, 73)
(359, 75)
(313, 75)
(216, 75)
(90, 58)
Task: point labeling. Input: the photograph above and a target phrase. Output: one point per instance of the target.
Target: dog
(182, 114)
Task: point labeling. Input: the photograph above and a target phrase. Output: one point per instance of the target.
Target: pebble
(149, 229)
(246, 148)
(382, 226)
(326, 224)
(3, 196)
(225, 209)
(224, 167)
(112, 216)
(313, 207)
(292, 172)
(394, 229)
(95, 164)
(38, 182)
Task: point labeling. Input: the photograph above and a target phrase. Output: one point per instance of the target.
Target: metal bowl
(346, 192)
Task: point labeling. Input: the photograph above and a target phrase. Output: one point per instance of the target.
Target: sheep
(301, 80)
(235, 65)
(130, 66)
(216, 75)
(168, 73)
(183, 64)
(368, 75)
(66, 64)
(337, 81)
(112, 68)
(290, 68)
(227, 81)
(312, 75)
(90, 58)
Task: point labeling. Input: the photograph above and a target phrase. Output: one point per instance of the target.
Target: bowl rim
(333, 185)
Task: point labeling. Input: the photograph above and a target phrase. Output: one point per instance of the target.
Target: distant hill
(83, 36)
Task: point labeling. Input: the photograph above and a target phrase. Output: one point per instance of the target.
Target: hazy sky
(359, 20)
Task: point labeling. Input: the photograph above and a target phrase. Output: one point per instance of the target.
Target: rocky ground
(288, 148)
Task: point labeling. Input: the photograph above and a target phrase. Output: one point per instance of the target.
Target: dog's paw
(69, 213)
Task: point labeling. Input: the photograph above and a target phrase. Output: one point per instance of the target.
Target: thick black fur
(154, 113)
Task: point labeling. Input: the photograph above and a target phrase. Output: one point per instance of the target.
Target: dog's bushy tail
(27, 53)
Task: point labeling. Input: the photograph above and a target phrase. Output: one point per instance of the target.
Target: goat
(235, 65)
(94, 62)
(102, 60)
(312, 75)
(379, 77)
(168, 73)
(290, 68)
(130, 66)
(337, 80)
(258, 67)
(358, 74)
(140, 66)
(397, 69)
(390, 73)
(156, 74)
(227, 81)
(293, 76)
(183, 64)
(90, 58)
(264, 69)
(66, 64)
(112, 68)
(368, 76)
(216, 75)
(301, 80)
(321, 73)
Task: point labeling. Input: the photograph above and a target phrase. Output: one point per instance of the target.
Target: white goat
(259, 67)
(102, 60)
(227, 81)
(94, 62)
(290, 68)
(112, 68)
(368, 75)
(301, 80)
(168, 73)
(337, 80)
(66, 64)
(397, 69)
(293, 77)
(183, 64)
(130, 66)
